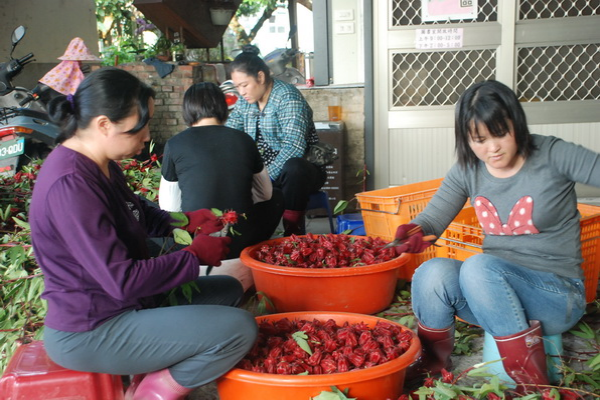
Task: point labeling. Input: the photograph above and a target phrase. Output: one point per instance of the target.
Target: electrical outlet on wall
(344, 28)
(343, 15)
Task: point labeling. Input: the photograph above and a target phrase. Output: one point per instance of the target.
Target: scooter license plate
(12, 148)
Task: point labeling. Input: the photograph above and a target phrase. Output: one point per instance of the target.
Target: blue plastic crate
(352, 222)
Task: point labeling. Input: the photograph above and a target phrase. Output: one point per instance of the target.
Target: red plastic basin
(31, 375)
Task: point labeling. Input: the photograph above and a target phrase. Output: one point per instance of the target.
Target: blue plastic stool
(552, 345)
(320, 200)
(353, 222)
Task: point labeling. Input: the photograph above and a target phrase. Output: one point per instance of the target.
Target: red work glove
(412, 243)
(210, 250)
(203, 222)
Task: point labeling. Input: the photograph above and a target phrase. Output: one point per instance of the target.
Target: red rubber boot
(437, 346)
(524, 358)
(293, 222)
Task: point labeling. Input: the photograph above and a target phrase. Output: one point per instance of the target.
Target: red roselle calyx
(334, 348)
(229, 217)
(325, 251)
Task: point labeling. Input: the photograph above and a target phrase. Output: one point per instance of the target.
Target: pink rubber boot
(160, 385)
(133, 385)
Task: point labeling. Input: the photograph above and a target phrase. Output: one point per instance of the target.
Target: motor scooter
(26, 131)
(16, 96)
(230, 92)
(277, 61)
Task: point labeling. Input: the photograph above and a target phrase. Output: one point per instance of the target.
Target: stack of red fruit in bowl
(325, 272)
(300, 355)
(323, 337)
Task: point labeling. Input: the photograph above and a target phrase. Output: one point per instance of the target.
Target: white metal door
(524, 44)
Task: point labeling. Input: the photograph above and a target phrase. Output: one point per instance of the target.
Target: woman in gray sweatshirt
(528, 281)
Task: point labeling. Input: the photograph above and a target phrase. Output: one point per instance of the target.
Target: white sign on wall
(439, 38)
(444, 10)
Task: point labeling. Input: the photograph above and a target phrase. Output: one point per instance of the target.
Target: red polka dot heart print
(519, 222)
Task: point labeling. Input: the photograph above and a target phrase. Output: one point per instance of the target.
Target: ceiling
(190, 18)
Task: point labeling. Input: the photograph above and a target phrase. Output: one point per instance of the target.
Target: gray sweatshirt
(530, 218)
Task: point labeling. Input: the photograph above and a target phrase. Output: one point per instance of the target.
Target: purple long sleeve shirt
(89, 237)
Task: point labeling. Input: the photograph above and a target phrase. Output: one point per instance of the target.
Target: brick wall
(167, 120)
(352, 100)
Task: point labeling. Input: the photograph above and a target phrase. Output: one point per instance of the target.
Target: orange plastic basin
(366, 289)
(376, 383)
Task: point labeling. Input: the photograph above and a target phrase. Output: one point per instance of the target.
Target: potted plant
(162, 48)
(178, 51)
(221, 11)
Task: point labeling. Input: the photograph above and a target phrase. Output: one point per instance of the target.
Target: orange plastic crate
(384, 210)
(464, 237)
(590, 248)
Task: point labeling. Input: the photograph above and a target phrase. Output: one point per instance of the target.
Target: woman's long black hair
(492, 104)
(109, 91)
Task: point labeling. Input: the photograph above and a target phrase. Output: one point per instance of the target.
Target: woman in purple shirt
(103, 290)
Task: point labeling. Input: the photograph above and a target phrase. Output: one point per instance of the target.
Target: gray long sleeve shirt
(530, 218)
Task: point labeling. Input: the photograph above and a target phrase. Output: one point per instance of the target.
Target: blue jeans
(495, 294)
(198, 342)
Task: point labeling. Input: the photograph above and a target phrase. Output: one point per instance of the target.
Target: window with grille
(542, 9)
(558, 73)
(561, 72)
(438, 78)
(555, 72)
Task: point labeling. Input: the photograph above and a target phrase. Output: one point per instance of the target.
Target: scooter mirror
(18, 34)
(293, 31)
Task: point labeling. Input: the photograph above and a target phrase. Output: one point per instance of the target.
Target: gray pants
(198, 342)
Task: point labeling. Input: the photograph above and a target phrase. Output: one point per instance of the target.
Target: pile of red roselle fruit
(292, 347)
(325, 251)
